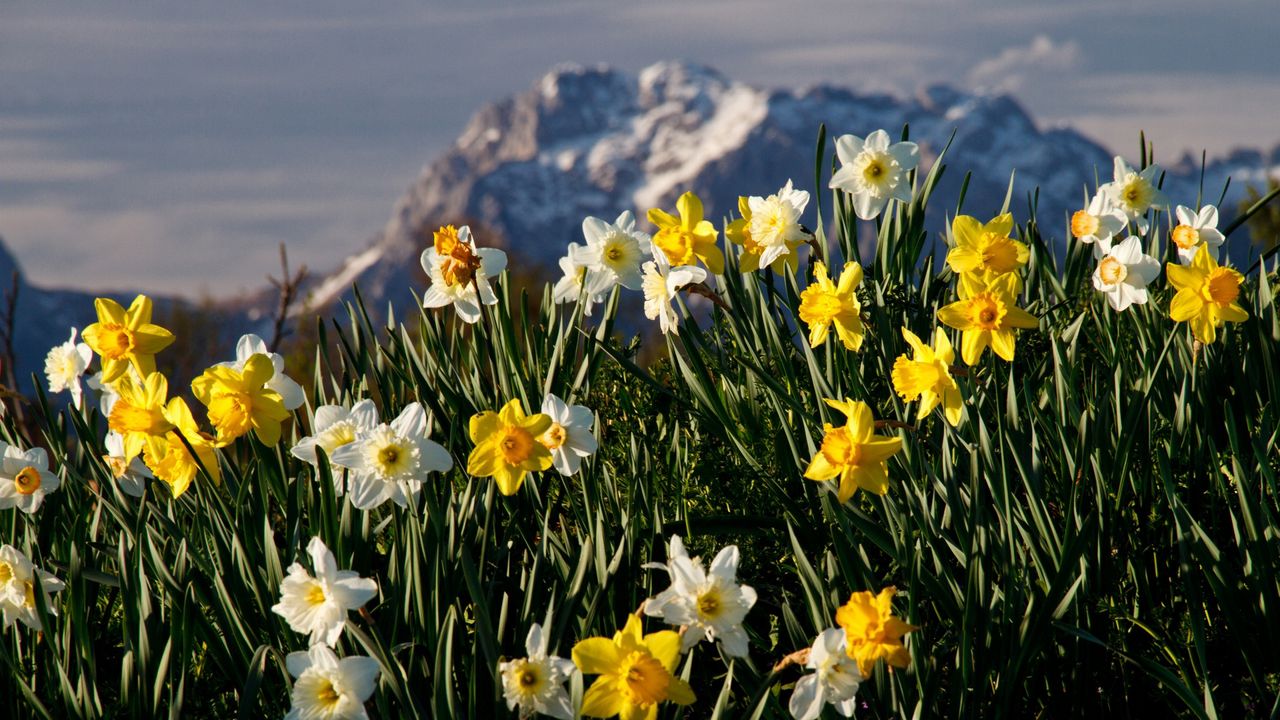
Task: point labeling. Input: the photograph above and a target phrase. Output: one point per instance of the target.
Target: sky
(171, 147)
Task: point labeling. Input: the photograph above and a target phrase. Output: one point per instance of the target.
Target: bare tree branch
(288, 286)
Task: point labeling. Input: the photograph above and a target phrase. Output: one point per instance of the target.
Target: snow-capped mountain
(595, 141)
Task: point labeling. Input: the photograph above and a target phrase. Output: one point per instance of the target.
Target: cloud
(1010, 70)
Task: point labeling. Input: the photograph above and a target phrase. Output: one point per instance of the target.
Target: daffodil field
(865, 462)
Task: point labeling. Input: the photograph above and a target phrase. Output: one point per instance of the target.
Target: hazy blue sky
(171, 146)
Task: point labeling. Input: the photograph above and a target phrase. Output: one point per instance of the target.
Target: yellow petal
(1185, 305)
(711, 256)
(872, 478)
(485, 460)
(850, 278)
(109, 311)
(972, 343)
(663, 219)
(1019, 318)
(509, 479)
(665, 647)
(942, 349)
(596, 656)
(151, 339)
(1233, 313)
(1000, 225)
(1182, 277)
(139, 313)
(955, 315)
(861, 422)
(258, 370)
(483, 425)
(820, 468)
(964, 259)
(914, 342)
(602, 699)
(966, 230)
(690, 208)
(880, 448)
(1003, 343)
(953, 405)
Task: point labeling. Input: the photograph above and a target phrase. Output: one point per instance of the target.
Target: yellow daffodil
(126, 337)
(507, 445)
(824, 304)
(171, 461)
(987, 314)
(239, 400)
(853, 453)
(928, 376)
(1207, 295)
(138, 414)
(635, 673)
(986, 250)
(687, 239)
(872, 632)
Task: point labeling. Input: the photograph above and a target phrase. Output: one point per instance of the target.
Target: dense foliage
(1097, 537)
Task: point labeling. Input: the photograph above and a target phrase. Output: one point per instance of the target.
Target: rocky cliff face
(596, 141)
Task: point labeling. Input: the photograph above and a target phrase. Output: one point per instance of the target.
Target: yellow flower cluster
(161, 430)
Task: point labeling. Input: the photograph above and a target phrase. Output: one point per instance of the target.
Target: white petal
(492, 261)
(297, 663)
(354, 592)
(365, 415)
(1185, 215)
(291, 394)
(868, 206)
(594, 230)
(906, 153)
(412, 421)
(806, 702)
(848, 147)
(433, 457)
(725, 564)
(878, 141)
(361, 675)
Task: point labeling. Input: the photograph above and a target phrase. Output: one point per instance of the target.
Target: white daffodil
(319, 604)
(579, 281)
(19, 580)
(1098, 223)
(107, 394)
(614, 251)
(1196, 229)
(775, 223)
(835, 680)
(873, 171)
(536, 683)
(709, 604)
(661, 282)
(25, 478)
(570, 437)
(388, 462)
(64, 365)
(333, 427)
(1124, 272)
(133, 475)
(328, 688)
(460, 272)
(1133, 192)
(290, 391)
